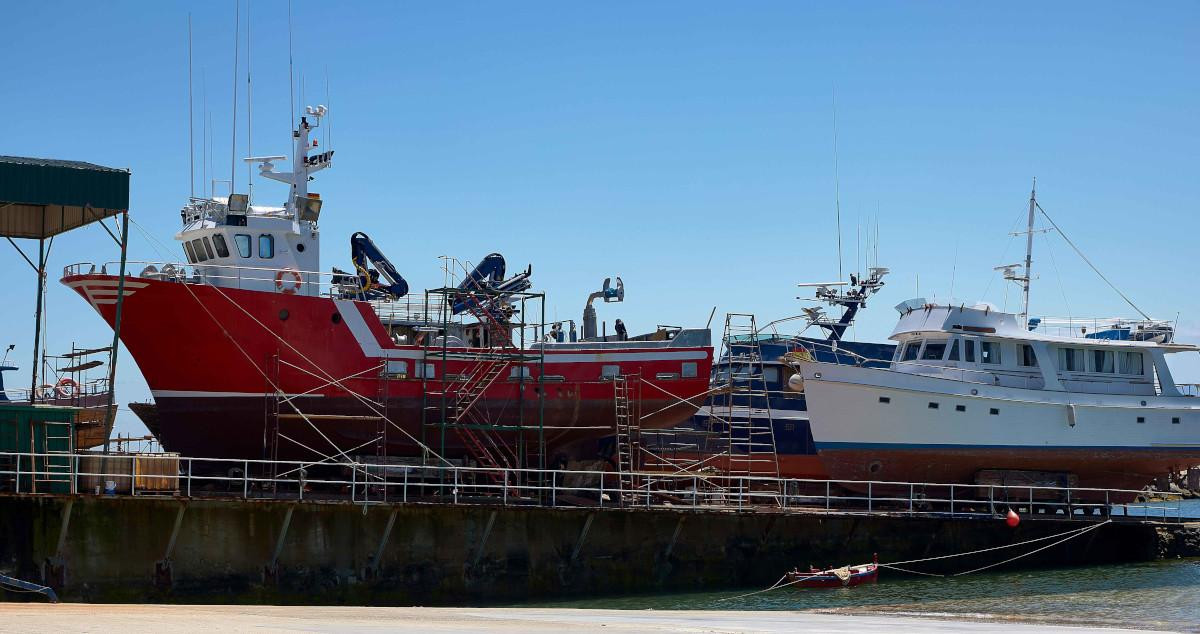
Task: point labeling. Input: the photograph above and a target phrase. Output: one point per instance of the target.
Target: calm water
(1156, 595)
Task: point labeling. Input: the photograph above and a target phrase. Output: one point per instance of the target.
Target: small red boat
(844, 577)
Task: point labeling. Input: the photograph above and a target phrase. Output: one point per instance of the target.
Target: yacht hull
(882, 425)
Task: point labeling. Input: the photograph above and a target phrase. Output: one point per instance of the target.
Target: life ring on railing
(44, 392)
(66, 388)
(287, 287)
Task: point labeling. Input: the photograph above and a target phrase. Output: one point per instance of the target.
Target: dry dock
(145, 549)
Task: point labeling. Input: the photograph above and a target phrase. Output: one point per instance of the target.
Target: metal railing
(391, 482)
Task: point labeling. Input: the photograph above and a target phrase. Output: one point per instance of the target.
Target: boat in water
(844, 577)
(975, 395)
(251, 352)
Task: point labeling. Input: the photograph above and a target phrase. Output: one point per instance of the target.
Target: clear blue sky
(686, 146)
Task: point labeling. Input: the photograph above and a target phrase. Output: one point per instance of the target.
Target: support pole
(111, 414)
(37, 314)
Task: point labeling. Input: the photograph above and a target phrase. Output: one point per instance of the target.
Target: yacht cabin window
(1102, 361)
(953, 356)
(242, 240)
(219, 244)
(1071, 360)
(969, 350)
(910, 350)
(1028, 358)
(934, 351)
(266, 246)
(1131, 363)
(989, 352)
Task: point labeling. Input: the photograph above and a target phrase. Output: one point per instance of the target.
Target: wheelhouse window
(1132, 363)
(934, 351)
(187, 249)
(989, 352)
(198, 248)
(1102, 361)
(953, 356)
(1070, 360)
(1028, 357)
(910, 351)
(208, 249)
(242, 240)
(266, 246)
(219, 244)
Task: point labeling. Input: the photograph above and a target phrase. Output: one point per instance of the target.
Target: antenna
(291, 74)
(837, 194)
(249, 114)
(191, 120)
(237, 16)
(204, 135)
(328, 126)
(1029, 250)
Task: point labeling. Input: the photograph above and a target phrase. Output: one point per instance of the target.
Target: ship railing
(1080, 327)
(388, 481)
(320, 283)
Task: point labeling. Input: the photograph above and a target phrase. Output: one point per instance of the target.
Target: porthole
(336, 318)
(1174, 420)
(1141, 419)
(960, 408)
(994, 411)
(874, 467)
(885, 399)
(974, 392)
(933, 405)
(284, 314)
(300, 247)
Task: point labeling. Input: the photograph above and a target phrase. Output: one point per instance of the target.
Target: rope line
(1089, 263)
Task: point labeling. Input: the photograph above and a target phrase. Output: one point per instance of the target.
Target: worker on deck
(622, 334)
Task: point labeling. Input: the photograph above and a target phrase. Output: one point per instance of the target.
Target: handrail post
(992, 499)
(911, 492)
(695, 489)
(189, 477)
(404, 490)
(455, 491)
(353, 485)
(553, 489)
(601, 496)
(952, 499)
(245, 479)
(870, 505)
(827, 495)
(505, 492)
(133, 476)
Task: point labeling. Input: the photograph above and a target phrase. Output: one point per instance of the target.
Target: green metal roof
(40, 198)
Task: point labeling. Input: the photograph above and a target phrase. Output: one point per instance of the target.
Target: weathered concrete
(120, 549)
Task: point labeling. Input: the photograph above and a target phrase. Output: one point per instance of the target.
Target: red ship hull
(220, 361)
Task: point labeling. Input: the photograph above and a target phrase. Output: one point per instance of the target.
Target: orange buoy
(1012, 519)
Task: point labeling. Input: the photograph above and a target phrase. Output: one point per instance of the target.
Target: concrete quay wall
(126, 549)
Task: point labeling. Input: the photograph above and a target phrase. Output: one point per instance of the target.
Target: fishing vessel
(251, 351)
(757, 420)
(978, 395)
(69, 380)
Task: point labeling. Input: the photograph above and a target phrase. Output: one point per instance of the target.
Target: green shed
(46, 435)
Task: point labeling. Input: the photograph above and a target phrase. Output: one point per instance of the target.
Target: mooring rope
(1065, 536)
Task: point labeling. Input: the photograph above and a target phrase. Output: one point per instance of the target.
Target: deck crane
(366, 284)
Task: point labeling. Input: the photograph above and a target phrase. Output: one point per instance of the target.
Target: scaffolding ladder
(628, 434)
(744, 405)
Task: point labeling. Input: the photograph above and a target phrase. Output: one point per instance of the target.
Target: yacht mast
(1029, 252)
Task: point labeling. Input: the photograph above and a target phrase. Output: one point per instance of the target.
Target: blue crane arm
(364, 253)
(488, 276)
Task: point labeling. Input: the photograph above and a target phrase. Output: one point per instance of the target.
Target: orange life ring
(66, 388)
(295, 283)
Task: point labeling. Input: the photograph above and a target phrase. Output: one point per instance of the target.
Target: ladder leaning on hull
(744, 406)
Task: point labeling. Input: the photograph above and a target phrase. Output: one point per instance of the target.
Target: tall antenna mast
(191, 120)
(1029, 250)
(249, 113)
(291, 74)
(204, 133)
(837, 194)
(233, 146)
